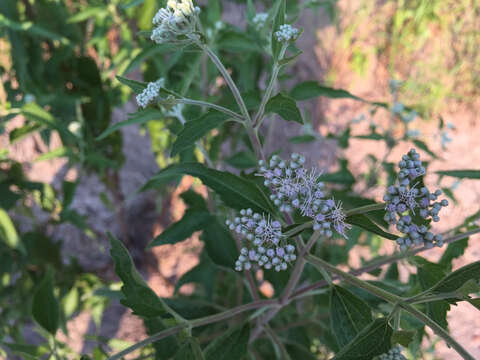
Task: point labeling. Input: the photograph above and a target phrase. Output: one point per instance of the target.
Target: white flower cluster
(265, 244)
(286, 33)
(294, 187)
(149, 93)
(395, 353)
(404, 199)
(176, 19)
(259, 20)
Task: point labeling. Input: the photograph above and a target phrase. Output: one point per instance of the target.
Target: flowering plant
(276, 231)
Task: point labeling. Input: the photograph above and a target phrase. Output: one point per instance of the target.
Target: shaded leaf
(136, 86)
(189, 351)
(372, 341)
(139, 117)
(403, 337)
(364, 222)
(349, 315)
(45, 308)
(8, 233)
(285, 106)
(235, 191)
(137, 295)
(220, 244)
(455, 280)
(230, 346)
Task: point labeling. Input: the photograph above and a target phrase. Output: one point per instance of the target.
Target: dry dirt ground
(167, 263)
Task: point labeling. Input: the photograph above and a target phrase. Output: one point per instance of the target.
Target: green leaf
(403, 337)
(453, 251)
(422, 145)
(9, 234)
(234, 41)
(139, 117)
(233, 345)
(372, 341)
(364, 222)
(137, 295)
(220, 244)
(136, 86)
(196, 129)
(192, 220)
(68, 190)
(455, 280)
(203, 274)
(35, 113)
(193, 199)
(462, 174)
(285, 106)
(311, 89)
(45, 308)
(242, 160)
(189, 351)
(164, 348)
(349, 315)
(88, 12)
(235, 191)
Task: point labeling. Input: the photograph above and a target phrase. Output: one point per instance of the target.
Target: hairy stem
(195, 323)
(233, 114)
(228, 79)
(268, 92)
(394, 299)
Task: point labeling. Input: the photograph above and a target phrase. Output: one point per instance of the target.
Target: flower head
(149, 93)
(177, 19)
(260, 20)
(395, 353)
(296, 188)
(404, 201)
(264, 244)
(287, 33)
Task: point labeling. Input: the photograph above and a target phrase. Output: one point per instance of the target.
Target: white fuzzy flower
(149, 93)
(287, 33)
(259, 20)
(176, 19)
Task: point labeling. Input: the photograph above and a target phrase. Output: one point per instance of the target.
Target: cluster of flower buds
(176, 19)
(287, 33)
(395, 353)
(150, 93)
(264, 244)
(405, 199)
(294, 187)
(260, 20)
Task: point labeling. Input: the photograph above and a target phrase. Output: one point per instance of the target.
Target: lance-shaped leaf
(137, 295)
(462, 174)
(136, 86)
(456, 280)
(235, 191)
(9, 234)
(196, 129)
(372, 341)
(45, 307)
(285, 106)
(349, 314)
(139, 117)
(364, 222)
(230, 346)
(193, 220)
(278, 20)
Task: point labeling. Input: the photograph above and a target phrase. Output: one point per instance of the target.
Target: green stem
(268, 92)
(421, 300)
(398, 301)
(437, 329)
(233, 114)
(228, 79)
(195, 323)
(365, 209)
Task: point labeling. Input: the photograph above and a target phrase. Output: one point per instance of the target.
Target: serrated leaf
(235, 191)
(137, 295)
(285, 106)
(45, 307)
(349, 315)
(455, 280)
(233, 345)
(139, 117)
(189, 351)
(220, 244)
(364, 222)
(311, 89)
(462, 174)
(372, 341)
(136, 86)
(193, 220)
(196, 129)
